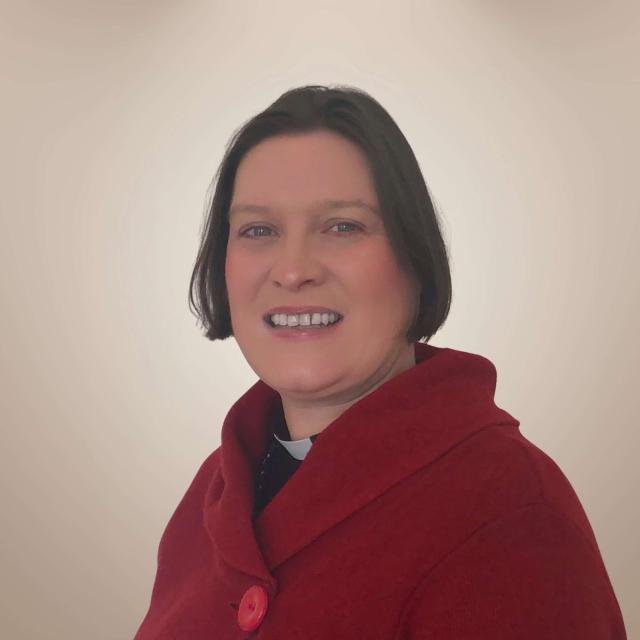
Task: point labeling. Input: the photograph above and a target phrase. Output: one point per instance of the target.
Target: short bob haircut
(408, 213)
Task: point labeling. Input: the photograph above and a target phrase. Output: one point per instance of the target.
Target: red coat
(420, 513)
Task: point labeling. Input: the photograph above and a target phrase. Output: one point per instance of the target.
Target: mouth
(305, 322)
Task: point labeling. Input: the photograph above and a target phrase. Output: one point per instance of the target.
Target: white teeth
(303, 319)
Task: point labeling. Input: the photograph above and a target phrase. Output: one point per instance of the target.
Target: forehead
(308, 171)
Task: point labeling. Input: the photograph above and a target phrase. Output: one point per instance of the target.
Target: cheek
(237, 275)
(381, 281)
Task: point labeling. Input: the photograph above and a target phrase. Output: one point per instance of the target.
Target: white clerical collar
(297, 448)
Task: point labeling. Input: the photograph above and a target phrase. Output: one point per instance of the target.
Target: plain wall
(114, 117)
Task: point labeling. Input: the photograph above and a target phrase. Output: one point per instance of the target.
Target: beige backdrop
(114, 116)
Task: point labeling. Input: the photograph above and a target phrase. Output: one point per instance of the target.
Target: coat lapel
(400, 427)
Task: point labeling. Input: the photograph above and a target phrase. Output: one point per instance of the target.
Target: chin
(299, 381)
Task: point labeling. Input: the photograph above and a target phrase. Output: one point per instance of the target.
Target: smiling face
(297, 251)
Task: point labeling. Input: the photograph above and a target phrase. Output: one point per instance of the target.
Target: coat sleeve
(532, 574)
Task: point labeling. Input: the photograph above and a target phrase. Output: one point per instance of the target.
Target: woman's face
(297, 252)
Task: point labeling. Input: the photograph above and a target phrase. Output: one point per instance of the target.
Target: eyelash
(262, 226)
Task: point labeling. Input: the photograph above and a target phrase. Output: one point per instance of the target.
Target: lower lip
(304, 334)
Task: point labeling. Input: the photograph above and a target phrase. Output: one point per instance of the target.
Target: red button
(253, 607)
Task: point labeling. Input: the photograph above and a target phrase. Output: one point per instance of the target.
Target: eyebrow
(322, 205)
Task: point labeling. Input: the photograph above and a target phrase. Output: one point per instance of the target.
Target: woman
(367, 486)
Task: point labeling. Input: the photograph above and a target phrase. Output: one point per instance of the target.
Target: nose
(296, 265)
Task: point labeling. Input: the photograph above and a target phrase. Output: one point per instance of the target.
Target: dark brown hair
(408, 213)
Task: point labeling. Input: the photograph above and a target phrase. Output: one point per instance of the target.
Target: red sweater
(443, 523)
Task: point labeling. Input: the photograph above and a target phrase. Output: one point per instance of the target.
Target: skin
(296, 254)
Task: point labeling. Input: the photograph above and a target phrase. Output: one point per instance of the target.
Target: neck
(306, 418)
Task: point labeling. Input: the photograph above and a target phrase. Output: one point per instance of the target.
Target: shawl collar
(400, 427)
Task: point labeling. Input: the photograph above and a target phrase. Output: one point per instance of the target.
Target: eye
(246, 233)
(348, 224)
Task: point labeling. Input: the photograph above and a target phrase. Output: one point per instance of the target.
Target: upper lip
(296, 310)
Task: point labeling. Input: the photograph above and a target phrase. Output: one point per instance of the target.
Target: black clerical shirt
(281, 460)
